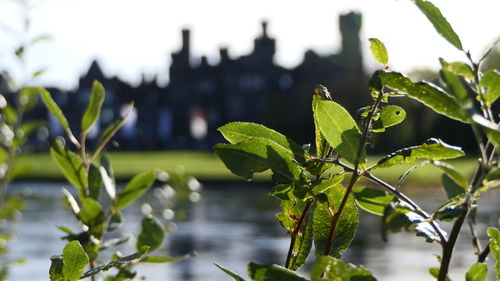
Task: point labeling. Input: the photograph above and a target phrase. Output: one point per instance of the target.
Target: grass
(206, 167)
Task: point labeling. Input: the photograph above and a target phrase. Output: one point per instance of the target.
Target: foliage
(320, 208)
(91, 174)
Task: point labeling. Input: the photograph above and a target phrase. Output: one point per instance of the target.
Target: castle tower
(350, 25)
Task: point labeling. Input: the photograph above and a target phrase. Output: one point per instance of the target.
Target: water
(233, 225)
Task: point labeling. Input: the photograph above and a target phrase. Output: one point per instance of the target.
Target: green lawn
(205, 166)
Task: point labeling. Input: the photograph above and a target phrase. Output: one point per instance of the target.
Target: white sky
(131, 37)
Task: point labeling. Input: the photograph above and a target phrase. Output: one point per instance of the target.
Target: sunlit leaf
(426, 93)
(259, 272)
(458, 68)
(389, 116)
(135, 188)
(346, 226)
(56, 111)
(491, 83)
(451, 210)
(477, 272)
(95, 182)
(340, 130)
(236, 132)
(332, 269)
(112, 129)
(432, 149)
(94, 107)
(379, 51)
(439, 22)
(372, 200)
(74, 261)
(494, 235)
(455, 86)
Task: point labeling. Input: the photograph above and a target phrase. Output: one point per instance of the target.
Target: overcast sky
(131, 37)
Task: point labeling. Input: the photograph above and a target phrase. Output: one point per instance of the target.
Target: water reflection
(232, 225)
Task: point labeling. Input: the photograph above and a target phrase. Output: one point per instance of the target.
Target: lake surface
(233, 225)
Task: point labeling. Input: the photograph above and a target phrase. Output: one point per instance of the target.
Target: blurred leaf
(9, 115)
(56, 268)
(491, 82)
(332, 269)
(40, 38)
(399, 216)
(451, 187)
(156, 259)
(91, 115)
(439, 22)
(455, 86)
(28, 98)
(458, 68)
(71, 166)
(389, 116)
(19, 52)
(493, 46)
(257, 155)
(115, 263)
(112, 129)
(10, 206)
(428, 94)
(259, 272)
(135, 188)
(372, 200)
(95, 182)
(236, 132)
(65, 229)
(435, 273)
(346, 225)
(25, 130)
(379, 51)
(490, 128)
(151, 235)
(477, 272)
(451, 210)
(74, 261)
(70, 202)
(114, 242)
(38, 73)
(56, 111)
(230, 272)
(340, 130)
(452, 172)
(432, 149)
(91, 210)
(494, 235)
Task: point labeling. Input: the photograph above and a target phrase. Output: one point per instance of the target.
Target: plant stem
(482, 255)
(296, 231)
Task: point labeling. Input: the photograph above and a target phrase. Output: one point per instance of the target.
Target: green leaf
(455, 86)
(399, 216)
(107, 176)
(453, 173)
(389, 116)
(9, 115)
(451, 210)
(71, 166)
(28, 98)
(74, 261)
(327, 184)
(372, 200)
(56, 111)
(92, 215)
(91, 115)
(477, 272)
(151, 235)
(379, 51)
(257, 155)
(451, 187)
(346, 226)
(458, 68)
(428, 94)
(135, 188)
(439, 22)
(435, 273)
(112, 129)
(230, 272)
(259, 272)
(490, 128)
(494, 235)
(491, 82)
(157, 259)
(303, 244)
(116, 263)
(332, 269)
(25, 130)
(65, 229)
(236, 132)
(95, 182)
(432, 149)
(340, 130)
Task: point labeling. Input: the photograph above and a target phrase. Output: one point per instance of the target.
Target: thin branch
(296, 231)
